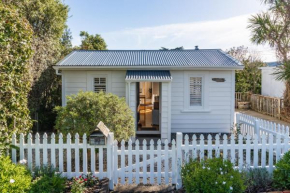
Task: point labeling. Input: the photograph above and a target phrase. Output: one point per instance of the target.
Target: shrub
(13, 177)
(257, 180)
(47, 180)
(86, 109)
(281, 173)
(78, 185)
(211, 175)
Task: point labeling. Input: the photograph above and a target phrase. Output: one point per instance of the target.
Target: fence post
(110, 160)
(179, 159)
(13, 148)
(257, 129)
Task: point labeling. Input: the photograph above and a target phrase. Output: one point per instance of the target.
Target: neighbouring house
(271, 86)
(189, 91)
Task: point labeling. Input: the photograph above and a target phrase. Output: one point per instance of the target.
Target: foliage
(257, 180)
(78, 185)
(282, 172)
(86, 109)
(15, 52)
(211, 175)
(177, 48)
(46, 179)
(92, 42)
(89, 180)
(48, 20)
(13, 177)
(248, 79)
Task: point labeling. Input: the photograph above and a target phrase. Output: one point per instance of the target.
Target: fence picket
(151, 161)
(201, 147)
(68, 154)
(21, 146)
(60, 152)
(241, 153)
(159, 161)
(137, 158)
(144, 169)
(194, 152)
(130, 171)
(263, 158)
(123, 162)
(166, 161)
(186, 149)
(77, 155)
(248, 150)
(85, 154)
(36, 150)
(52, 150)
(270, 148)
(233, 149)
(256, 151)
(29, 147)
(225, 145)
(217, 145)
(13, 149)
(101, 161)
(173, 162)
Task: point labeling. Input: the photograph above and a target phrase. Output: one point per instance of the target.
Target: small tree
(92, 42)
(86, 109)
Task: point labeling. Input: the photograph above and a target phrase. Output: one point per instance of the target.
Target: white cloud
(222, 34)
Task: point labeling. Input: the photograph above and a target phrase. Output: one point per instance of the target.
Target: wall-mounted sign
(219, 79)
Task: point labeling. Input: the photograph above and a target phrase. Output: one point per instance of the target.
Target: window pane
(100, 84)
(195, 91)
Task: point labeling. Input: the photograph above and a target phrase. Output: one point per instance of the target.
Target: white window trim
(204, 108)
(92, 75)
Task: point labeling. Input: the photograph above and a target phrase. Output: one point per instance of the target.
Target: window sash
(100, 84)
(195, 95)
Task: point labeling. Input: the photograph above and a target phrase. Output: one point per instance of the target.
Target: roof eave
(59, 67)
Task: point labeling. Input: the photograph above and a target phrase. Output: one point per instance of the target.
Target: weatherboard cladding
(148, 75)
(202, 57)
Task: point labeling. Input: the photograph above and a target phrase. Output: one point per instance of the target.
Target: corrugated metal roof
(195, 58)
(273, 64)
(148, 75)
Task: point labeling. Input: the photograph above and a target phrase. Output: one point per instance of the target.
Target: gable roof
(160, 58)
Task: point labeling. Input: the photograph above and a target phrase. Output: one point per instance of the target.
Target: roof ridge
(145, 50)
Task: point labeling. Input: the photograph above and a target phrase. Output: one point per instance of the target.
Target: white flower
(208, 168)
(12, 181)
(221, 169)
(23, 161)
(215, 182)
(203, 167)
(232, 177)
(231, 188)
(222, 173)
(224, 182)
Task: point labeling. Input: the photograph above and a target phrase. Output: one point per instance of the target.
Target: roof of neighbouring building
(273, 64)
(182, 58)
(148, 75)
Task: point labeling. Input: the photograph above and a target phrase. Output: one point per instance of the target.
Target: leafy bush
(86, 109)
(281, 173)
(211, 176)
(257, 180)
(47, 180)
(13, 177)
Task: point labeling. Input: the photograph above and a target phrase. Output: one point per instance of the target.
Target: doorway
(148, 107)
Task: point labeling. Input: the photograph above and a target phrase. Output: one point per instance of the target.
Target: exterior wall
(270, 86)
(218, 115)
(75, 81)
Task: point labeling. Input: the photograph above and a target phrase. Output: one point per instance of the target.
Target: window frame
(106, 84)
(91, 78)
(204, 95)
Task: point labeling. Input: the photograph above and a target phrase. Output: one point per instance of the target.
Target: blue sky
(151, 24)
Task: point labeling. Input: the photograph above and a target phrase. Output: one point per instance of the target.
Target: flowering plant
(13, 177)
(78, 184)
(211, 175)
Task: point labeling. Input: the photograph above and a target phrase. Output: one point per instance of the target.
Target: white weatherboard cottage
(169, 91)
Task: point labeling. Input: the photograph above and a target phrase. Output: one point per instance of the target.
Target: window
(100, 84)
(195, 94)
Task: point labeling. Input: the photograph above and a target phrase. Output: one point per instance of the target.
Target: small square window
(100, 84)
(195, 95)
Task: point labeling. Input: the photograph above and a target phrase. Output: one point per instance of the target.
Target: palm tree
(273, 28)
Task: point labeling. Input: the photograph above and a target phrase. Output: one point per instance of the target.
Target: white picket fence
(139, 162)
(250, 125)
